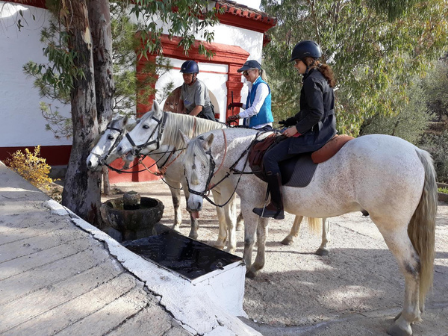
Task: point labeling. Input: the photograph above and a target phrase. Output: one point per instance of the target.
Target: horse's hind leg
(322, 250)
(400, 245)
(175, 195)
(294, 233)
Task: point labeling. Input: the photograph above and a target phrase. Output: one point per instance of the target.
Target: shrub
(437, 145)
(31, 167)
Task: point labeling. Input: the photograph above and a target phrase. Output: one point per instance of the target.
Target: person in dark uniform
(309, 129)
(194, 94)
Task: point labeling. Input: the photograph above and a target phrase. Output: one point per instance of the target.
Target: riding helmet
(189, 67)
(306, 49)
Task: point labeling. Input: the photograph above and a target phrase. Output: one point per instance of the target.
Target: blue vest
(264, 116)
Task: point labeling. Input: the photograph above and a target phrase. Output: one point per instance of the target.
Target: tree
(374, 50)
(87, 69)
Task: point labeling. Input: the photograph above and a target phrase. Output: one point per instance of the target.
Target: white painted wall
(21, 118)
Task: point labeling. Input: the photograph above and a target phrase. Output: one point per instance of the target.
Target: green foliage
(373, 58)
(185, 18)
(442, 190)
(435, 85)
(410, 120)
(437, 145)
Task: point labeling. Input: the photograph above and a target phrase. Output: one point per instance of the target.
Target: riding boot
(275, 208)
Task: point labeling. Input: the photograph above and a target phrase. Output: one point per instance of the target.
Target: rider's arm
(196, 110)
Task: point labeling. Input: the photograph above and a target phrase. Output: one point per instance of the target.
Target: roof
(245, 17)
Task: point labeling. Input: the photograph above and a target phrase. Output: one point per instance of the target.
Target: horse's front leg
(193, 221)
(250, 227)
(289, 239)
(229, 212)
(240, 222)
(175, 195)
(322, 250)
(222, 232)
(262, 233)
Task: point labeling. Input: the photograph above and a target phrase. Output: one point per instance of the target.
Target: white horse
(150, 133)
(390, 178)
(104, 152)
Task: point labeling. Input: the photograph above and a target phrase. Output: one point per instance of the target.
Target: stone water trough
(219, 274)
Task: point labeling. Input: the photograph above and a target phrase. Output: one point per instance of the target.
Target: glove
(234, 105)
(233, 118)
(288, 122)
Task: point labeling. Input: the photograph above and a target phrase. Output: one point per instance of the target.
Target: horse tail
(314, 224)
(421, 229)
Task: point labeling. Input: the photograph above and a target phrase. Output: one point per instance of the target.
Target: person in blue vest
(257, 110)
(308, 130)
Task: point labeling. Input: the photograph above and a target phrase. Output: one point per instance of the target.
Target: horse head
(145, 136)
(199, 166)
(104, 152)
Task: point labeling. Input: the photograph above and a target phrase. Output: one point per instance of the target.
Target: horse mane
(180, 122)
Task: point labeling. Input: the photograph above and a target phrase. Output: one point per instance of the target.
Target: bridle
(102, 159)
(136, 149)
(212, 173)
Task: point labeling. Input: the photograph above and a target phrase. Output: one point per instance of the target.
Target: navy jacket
(315, 121)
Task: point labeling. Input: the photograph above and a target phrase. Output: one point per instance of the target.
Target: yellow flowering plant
(31, 167)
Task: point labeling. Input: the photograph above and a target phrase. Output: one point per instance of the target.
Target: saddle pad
(298, 171)
(330, 148)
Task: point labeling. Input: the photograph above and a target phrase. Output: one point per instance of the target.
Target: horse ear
(208, 142)
(185, 138)
(156, 108)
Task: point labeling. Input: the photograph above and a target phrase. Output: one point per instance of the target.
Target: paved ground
(357, 290)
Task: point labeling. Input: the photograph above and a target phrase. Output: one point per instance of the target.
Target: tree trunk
(100, 25)
(82, 187)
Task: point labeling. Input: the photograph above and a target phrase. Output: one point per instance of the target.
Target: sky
(255, 4)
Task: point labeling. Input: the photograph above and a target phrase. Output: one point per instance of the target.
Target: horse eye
(145, 126)
(110, 137)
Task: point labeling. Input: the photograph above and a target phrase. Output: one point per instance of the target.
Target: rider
(309, 129)
(257, 110)
(194, 94)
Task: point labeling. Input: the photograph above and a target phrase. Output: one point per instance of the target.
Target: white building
(239, 36)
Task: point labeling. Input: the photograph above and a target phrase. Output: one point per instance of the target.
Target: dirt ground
(356, 290)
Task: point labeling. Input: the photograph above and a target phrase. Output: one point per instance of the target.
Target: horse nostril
(119, 149)
(199, 207)
(89, 164)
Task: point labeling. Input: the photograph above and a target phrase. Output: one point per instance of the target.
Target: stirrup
(266, 213)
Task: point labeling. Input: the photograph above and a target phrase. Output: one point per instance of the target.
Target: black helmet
(189, 67)
(306, 49)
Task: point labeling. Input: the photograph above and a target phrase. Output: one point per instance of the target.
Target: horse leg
(222, 233)
(240, 222)
(230, 214)
(262, 233)
(193, 221)
(294, 231)
(250, 226)
(175, 195)
(322, 250)
(400, 245)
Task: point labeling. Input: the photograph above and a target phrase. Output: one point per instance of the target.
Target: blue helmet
(189, 67)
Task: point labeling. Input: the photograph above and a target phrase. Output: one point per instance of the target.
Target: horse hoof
(287, 241)
(193, 236)
(240, 227)
(322, 252)
(176, 227)
(230, 250)
(396, 330)
(219, 245)
(250, 274)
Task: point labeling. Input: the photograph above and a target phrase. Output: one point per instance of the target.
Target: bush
(437, 145)
(31, 167)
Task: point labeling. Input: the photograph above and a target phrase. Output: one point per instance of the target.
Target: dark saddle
(299, 170)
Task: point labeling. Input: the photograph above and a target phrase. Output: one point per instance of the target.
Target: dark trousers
(275, 155)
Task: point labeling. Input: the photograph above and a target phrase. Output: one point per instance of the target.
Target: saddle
(299, 170)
